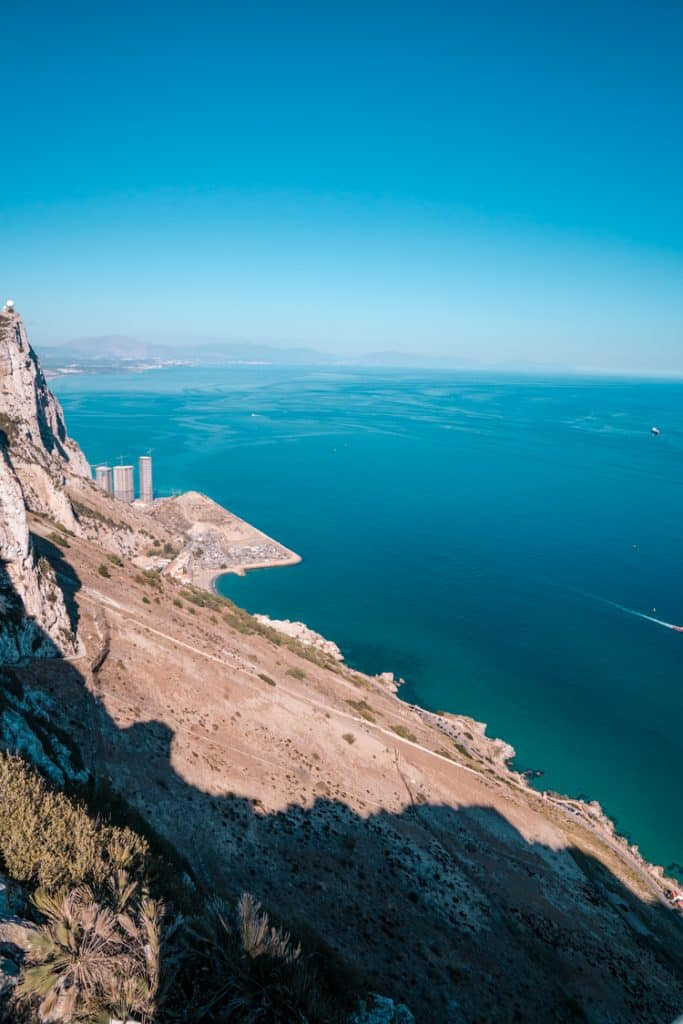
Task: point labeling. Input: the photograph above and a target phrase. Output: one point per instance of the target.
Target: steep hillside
(37, 460)
(395, 841)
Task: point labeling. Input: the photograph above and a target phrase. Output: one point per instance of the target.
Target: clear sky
(496, 182)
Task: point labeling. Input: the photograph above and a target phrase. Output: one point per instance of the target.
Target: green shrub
(64, 529)
(404, 732)
(349, 737)
(50, 840)
(104, 950)
(58, 539)
(267, 679)
(115, 560)
(313, 654)
(363, 709)
(296, 673)
(84, 511)
(149, 578)
(246, 969)
(460, 748)
(103, 570)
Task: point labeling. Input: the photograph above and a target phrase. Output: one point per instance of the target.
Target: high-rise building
(103, 478)
(123, 483)
(146, 486)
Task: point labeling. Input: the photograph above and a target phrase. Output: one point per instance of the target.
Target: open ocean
(465, 532)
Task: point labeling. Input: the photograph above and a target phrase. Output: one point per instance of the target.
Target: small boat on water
(655, 430)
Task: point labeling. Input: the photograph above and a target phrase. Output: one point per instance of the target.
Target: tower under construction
(145, 474)
(123, 483)
(103, 478)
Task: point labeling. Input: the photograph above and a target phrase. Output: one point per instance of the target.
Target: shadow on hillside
(449, 910)
(67, 579)
(20, 636)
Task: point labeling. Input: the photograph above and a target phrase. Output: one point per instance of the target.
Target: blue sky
(497, 183)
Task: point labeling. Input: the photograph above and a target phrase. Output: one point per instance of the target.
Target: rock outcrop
(32, 423)
(301, 632)
(36, 460)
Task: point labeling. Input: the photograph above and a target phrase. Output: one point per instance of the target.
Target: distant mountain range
(116, 353)
(119, 352)
(122, 352)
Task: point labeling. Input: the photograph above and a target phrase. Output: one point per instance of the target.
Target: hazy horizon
(484, 187)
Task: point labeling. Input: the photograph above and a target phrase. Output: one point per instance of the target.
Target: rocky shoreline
(469, 736)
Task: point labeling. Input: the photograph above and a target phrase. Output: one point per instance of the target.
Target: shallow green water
(464, 533)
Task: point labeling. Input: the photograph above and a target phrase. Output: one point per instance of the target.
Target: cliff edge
(37, 459)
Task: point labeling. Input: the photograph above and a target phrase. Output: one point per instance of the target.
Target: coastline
(480, 751)
(209, 579)
(498, 751)
(217, 541)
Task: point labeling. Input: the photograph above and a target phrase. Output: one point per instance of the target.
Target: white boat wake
(639, 615)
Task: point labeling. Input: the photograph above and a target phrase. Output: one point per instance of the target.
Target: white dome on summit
(9, 305)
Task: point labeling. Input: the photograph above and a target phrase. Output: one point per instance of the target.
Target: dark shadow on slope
(450, 910)
(20, 636)
(67, 578)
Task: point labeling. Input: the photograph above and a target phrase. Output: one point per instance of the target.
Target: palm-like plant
(72, 956)
(250, 970)
(90, 960)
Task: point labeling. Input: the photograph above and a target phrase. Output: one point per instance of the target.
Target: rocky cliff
(37, 459)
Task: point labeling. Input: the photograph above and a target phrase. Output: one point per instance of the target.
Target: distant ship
(655, 430)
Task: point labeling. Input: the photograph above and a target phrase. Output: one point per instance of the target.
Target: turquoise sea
(465, 532)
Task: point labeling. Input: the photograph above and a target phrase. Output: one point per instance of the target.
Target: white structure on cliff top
(9, 306)
(123, 483)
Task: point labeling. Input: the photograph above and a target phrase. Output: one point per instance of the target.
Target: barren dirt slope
(398, 840)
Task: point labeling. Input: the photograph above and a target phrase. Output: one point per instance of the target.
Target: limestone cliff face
(36, 460)
(42, 454)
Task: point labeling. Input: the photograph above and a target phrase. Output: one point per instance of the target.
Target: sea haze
(465, 533)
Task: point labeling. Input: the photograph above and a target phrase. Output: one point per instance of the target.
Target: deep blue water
(463, 533)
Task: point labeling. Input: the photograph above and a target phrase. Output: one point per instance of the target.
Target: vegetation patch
(50, 840)
(115, 560)
(460, 748)
(296, 673)
(93, 513)
(64, 529)
(120, 934)
(103, 570)
(149, 578)
(404, 732)
(267, 679)
(58, 539)
(363, 709)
